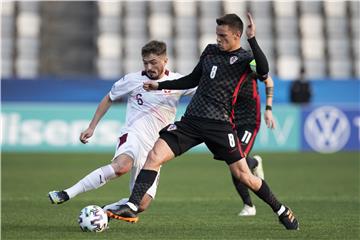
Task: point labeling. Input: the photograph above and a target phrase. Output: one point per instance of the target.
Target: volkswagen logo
(327, 129)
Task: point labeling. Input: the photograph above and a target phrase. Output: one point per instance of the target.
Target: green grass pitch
(195, 200)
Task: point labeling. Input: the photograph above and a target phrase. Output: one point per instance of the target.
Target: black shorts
(218, 136)
(247, 135)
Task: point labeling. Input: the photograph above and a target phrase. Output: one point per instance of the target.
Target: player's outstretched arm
(262, 65)
(269, 89)
(102, 108)
(186, 82)
(251, 28)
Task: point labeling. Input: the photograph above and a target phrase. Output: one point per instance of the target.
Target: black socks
(267, 196)
(243, 191)
(143, 182)
(251, 162)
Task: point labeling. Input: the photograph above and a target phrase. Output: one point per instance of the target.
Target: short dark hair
(154, 47)
(232, 20)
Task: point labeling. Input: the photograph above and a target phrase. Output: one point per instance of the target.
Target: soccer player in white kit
(147, 113)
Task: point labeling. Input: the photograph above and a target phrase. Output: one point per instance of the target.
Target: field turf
(196, 199)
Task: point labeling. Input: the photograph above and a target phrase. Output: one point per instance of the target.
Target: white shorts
(131, 144)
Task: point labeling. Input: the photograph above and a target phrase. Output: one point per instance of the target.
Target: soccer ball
(93, 219)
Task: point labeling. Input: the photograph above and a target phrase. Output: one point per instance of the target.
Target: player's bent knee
(120, 171)
(121, 168)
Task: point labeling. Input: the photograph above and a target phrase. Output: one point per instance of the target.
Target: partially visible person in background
(300, 91)
(247, 121)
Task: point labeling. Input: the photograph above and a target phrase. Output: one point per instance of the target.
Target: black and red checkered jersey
(221, 78)
(247, 107)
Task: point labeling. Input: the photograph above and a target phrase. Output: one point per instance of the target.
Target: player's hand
(269, 120)
(250, 30)
(85, 135)
(150, 85)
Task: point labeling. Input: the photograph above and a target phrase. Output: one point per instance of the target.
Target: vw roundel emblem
(327, 129)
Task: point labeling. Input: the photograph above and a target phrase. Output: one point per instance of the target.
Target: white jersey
(146, 114)
(147, 111)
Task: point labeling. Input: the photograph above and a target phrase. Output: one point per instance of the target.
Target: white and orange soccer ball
(93, 219)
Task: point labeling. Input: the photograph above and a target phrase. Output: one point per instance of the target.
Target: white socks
(93, 180)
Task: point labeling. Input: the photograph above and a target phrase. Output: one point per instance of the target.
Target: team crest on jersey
(233, 59)
(172, 127)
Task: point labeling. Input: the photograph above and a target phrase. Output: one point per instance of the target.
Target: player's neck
(161, 76)
(235, 48)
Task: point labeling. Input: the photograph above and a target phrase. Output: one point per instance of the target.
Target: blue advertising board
(56, 127)
(330, 128)
(46, 127)
(286, 135)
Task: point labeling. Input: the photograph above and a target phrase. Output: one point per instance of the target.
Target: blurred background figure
(300, 91)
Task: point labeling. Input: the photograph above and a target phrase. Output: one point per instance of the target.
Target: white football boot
(247, 211)
(258, 170)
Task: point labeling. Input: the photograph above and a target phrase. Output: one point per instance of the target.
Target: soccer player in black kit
(247, 122)
(209, 117)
